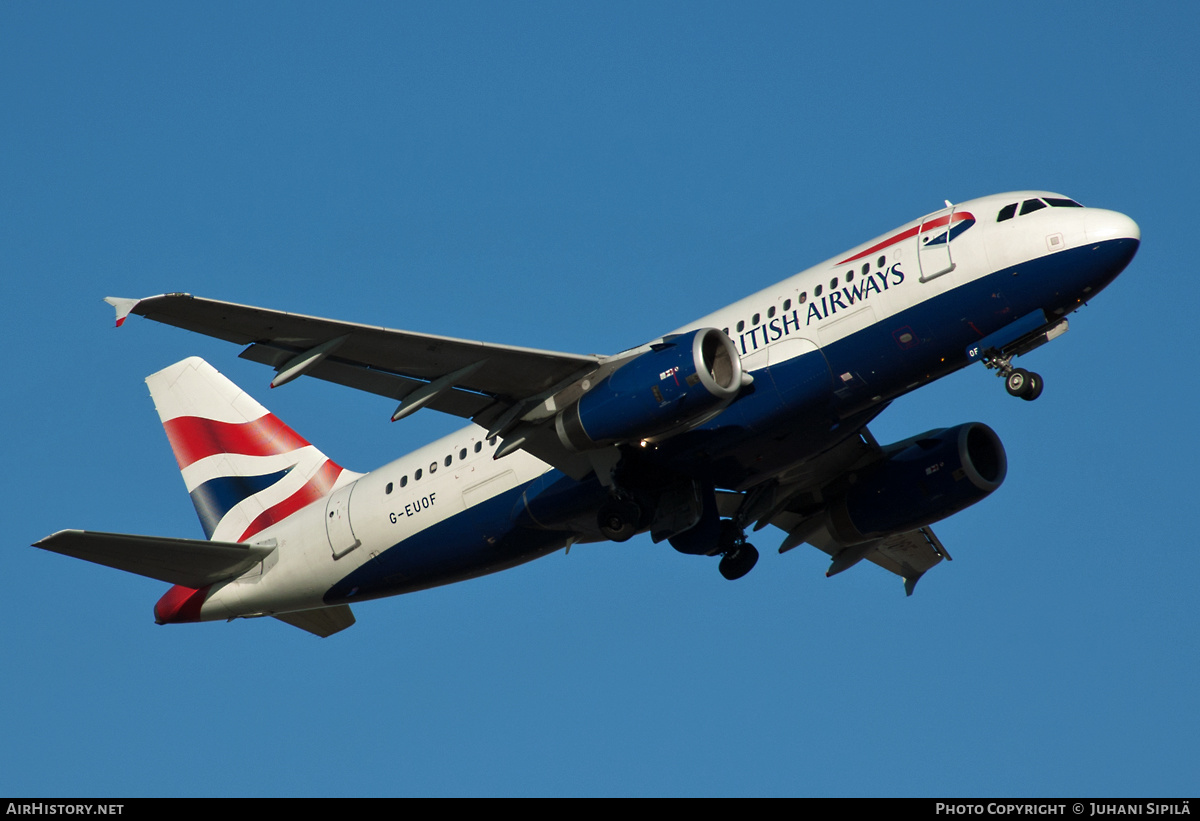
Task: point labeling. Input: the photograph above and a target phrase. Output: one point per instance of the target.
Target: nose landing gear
(1020, 337)
(1023, 383)
(1017, 381)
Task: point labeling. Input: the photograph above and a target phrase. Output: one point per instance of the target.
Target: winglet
(123, 306)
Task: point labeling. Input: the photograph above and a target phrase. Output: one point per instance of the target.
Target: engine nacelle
(936, 475)
(676, 385)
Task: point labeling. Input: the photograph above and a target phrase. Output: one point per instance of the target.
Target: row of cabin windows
(1029, 206)
(433, 466)
(787, 303)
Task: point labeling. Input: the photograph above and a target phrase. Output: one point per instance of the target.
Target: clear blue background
(583, 177)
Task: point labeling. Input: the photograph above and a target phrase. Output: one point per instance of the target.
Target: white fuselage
(818, 313)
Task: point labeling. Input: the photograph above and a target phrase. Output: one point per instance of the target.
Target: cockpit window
(1029, 206)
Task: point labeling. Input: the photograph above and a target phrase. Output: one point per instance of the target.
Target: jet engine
(924, 480)
(678, 384)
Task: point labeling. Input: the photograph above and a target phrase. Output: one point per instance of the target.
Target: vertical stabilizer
(244, 469)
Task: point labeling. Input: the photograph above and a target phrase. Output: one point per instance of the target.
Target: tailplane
(244, 469)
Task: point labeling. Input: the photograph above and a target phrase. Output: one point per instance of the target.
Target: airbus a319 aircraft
(753, 415)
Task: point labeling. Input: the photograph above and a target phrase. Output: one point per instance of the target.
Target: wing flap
(909, 555)
(455, 401)
(190, 562)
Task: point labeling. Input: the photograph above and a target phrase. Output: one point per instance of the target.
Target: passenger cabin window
(816, 291)
(741, 326)
(388, 489)
(787, 305)
(771, 312)
(478, 446)
(404, 481)
(1007, 213)
(1029, 206)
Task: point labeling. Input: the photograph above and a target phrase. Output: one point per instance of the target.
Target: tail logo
(244, 469)
(230, 472)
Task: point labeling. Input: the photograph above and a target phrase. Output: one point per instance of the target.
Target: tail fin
(244, 469)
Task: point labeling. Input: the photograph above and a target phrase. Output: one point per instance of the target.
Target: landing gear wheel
(738, 562)
(1018, 383)
(618, 519)
(1036, 383)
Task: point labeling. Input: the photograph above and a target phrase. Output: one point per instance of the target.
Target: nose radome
(1104, 225)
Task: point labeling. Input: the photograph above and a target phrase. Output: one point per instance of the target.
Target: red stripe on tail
(194, 438)
(313, 489)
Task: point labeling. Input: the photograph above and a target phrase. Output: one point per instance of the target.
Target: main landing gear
(1017, 381)
(623, 514)
(619, 517)
(739, 555)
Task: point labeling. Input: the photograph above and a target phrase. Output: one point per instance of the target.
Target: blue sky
(583, 177)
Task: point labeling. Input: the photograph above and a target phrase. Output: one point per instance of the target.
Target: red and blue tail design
(244, 469)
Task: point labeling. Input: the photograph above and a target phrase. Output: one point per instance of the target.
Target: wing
(796, 503)
(500, 387)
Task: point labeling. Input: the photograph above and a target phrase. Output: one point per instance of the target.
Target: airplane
(751, 416)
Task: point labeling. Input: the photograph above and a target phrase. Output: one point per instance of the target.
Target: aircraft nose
(1105, 225)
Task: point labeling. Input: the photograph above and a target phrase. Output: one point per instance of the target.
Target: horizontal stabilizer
(323, 622)
(190, 562)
